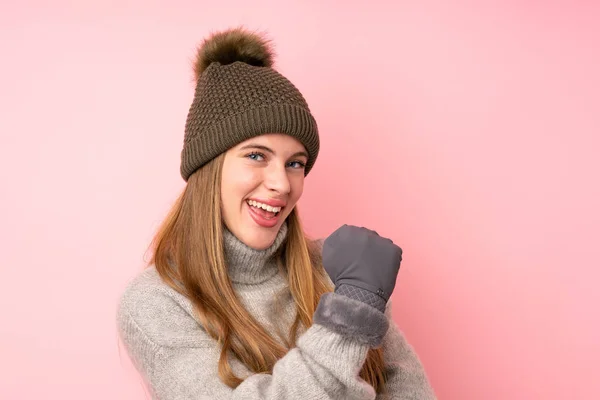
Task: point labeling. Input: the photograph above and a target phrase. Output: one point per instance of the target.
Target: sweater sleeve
(406, 375)
(179, 361)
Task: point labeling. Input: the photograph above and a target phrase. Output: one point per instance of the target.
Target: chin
(260, 239)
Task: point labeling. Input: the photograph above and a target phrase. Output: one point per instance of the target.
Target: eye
(256, 156)
(297, 164)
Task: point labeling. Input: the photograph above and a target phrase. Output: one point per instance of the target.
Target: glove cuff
(352, 319)
(362, 295)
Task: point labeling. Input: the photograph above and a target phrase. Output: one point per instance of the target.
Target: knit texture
(179, 360)
(238, 101)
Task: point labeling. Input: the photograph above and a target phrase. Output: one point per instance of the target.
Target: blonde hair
(189, 256)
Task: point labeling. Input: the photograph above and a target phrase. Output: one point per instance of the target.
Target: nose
(276, 179)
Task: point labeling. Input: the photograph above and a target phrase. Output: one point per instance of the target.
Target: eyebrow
(269, 150)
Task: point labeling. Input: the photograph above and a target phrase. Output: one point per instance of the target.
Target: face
(262, 180)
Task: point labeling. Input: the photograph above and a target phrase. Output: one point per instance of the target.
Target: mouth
(263, 214)
(263, 210)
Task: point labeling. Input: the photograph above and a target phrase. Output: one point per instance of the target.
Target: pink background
(467, 132)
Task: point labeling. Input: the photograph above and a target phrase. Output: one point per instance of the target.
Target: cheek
(237, 186)
(297, 186)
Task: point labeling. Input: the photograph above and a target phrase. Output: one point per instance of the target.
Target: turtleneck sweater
(178, 359)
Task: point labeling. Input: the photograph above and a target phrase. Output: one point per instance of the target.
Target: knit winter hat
(239, 96)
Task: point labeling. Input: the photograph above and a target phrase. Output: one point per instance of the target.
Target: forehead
(277, 142)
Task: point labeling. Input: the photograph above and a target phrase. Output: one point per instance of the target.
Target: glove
(362, 264)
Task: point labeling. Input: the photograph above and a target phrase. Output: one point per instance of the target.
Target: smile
(266, 207)
(264, 215)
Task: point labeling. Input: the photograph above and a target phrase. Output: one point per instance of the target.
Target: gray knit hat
(239, 96)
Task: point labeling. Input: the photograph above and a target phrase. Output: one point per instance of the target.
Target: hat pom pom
(229, 46)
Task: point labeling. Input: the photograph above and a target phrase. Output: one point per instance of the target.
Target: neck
(250, 266)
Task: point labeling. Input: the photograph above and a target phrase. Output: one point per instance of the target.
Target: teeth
(264, 206)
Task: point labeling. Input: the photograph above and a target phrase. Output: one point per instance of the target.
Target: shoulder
(151, 309)
(315, 248)
(394, 339)
(318, 243)
(316, 254)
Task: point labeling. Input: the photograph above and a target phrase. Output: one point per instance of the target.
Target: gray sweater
(178, 359)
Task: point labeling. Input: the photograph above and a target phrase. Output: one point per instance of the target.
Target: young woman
(237, 303)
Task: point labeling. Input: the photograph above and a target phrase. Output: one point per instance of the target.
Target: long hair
(189, 256)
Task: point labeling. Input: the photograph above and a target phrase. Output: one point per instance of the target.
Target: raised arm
(179, 361)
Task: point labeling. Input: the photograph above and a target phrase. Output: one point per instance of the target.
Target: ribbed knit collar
(247, 265)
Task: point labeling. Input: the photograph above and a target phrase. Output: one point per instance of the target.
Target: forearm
(325, 363)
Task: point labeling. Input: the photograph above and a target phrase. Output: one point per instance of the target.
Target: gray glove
(362, 264)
